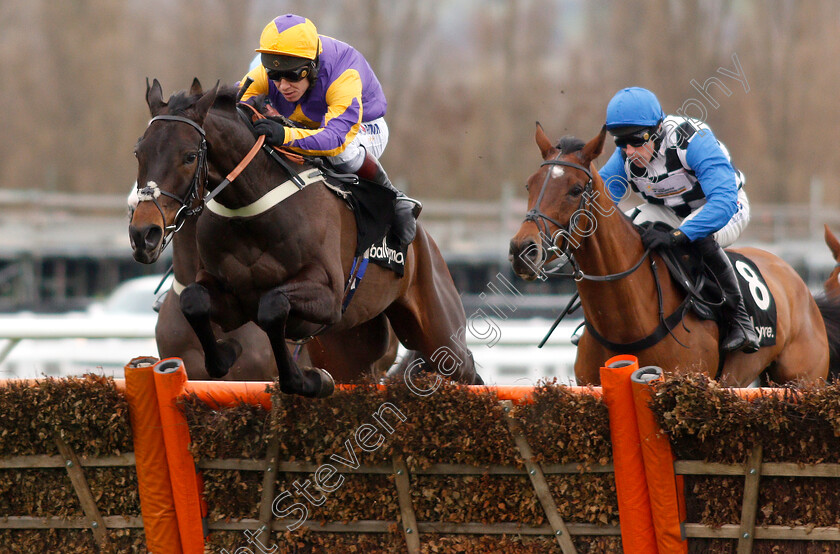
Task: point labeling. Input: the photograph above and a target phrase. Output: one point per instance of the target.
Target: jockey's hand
(654, 238)
(275, 132)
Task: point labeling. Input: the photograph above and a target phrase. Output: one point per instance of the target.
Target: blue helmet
(634, 107)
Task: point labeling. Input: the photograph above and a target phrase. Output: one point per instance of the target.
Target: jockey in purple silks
(330, 89)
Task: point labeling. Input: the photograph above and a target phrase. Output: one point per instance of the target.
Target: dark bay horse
(340, 352)
(284, 265)
(828, 303)
(175, 337)
(569, 199)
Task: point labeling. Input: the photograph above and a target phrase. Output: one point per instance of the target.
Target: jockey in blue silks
(685, 177)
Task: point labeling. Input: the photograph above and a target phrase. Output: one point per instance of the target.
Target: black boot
(742, 335)
(406, 209)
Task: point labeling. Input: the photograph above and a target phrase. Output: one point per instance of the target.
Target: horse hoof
(323, 380)
(228, 352)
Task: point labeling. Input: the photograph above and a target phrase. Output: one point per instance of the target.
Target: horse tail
(829, 306)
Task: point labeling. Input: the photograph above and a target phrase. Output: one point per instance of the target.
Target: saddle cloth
(373, 207)
(687, 269)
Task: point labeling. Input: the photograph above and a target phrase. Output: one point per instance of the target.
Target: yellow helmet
(289, 36)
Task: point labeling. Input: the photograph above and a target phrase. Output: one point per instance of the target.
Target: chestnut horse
(285, 265)
(832, 284)
(618, 288)
(338, 351)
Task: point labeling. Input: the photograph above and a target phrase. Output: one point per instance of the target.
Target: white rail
(507, 353)
(97, 223)
(15, 329)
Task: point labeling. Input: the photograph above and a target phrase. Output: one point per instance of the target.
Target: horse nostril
(532, 251)
(146, 238)
(153, 236)
(526, 250)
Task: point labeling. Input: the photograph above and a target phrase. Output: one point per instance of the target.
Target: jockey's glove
(275, 132)
(654, 238)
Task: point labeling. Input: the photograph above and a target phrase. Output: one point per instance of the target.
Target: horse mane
(181, 101)
(226, 96)
(570, 144)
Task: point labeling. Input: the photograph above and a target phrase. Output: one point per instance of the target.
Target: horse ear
(543, 142)
(154, 97)
(594, 147)
(205, 103)
(833, 243)
(195, 88)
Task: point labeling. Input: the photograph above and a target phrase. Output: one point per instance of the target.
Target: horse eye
(576, 190)
(190, 158)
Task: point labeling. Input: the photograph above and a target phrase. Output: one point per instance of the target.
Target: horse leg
(368, 348)
(429, 317)
(272, 316)
(387, 360)
(791, 366)
(589, 360)
(219, 356)
(175, 338)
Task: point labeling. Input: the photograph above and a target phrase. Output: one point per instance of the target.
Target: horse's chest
(250, 271)
(244, 261)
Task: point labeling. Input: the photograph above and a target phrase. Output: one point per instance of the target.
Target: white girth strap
(177, 287)
(269, 200)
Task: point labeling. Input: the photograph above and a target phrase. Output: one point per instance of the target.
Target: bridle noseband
(199, 182)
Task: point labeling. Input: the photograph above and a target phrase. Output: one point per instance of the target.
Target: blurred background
(465, 80)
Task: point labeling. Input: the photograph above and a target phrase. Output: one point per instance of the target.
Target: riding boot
(406, 209)
(742, 335)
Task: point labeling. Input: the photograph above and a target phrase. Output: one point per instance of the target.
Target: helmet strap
(314, 65)
(658, 137)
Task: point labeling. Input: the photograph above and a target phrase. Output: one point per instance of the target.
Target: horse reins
(541, 220)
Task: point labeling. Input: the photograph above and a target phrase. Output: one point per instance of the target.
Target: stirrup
(416, 209)
(405, 229)
(748, 344)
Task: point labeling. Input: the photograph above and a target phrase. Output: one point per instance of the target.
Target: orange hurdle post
(634, 511)
(170, 377)
(665, 489)
(160, 521)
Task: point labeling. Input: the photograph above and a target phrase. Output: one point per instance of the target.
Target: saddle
(705, 295)
(371, 204)
(373, 208)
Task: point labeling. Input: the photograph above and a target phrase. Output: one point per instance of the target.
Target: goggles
(636, 140)
(291, 75)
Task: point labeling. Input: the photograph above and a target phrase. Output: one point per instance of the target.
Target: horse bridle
(188, 202)
(541, 220)
(198, 186)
